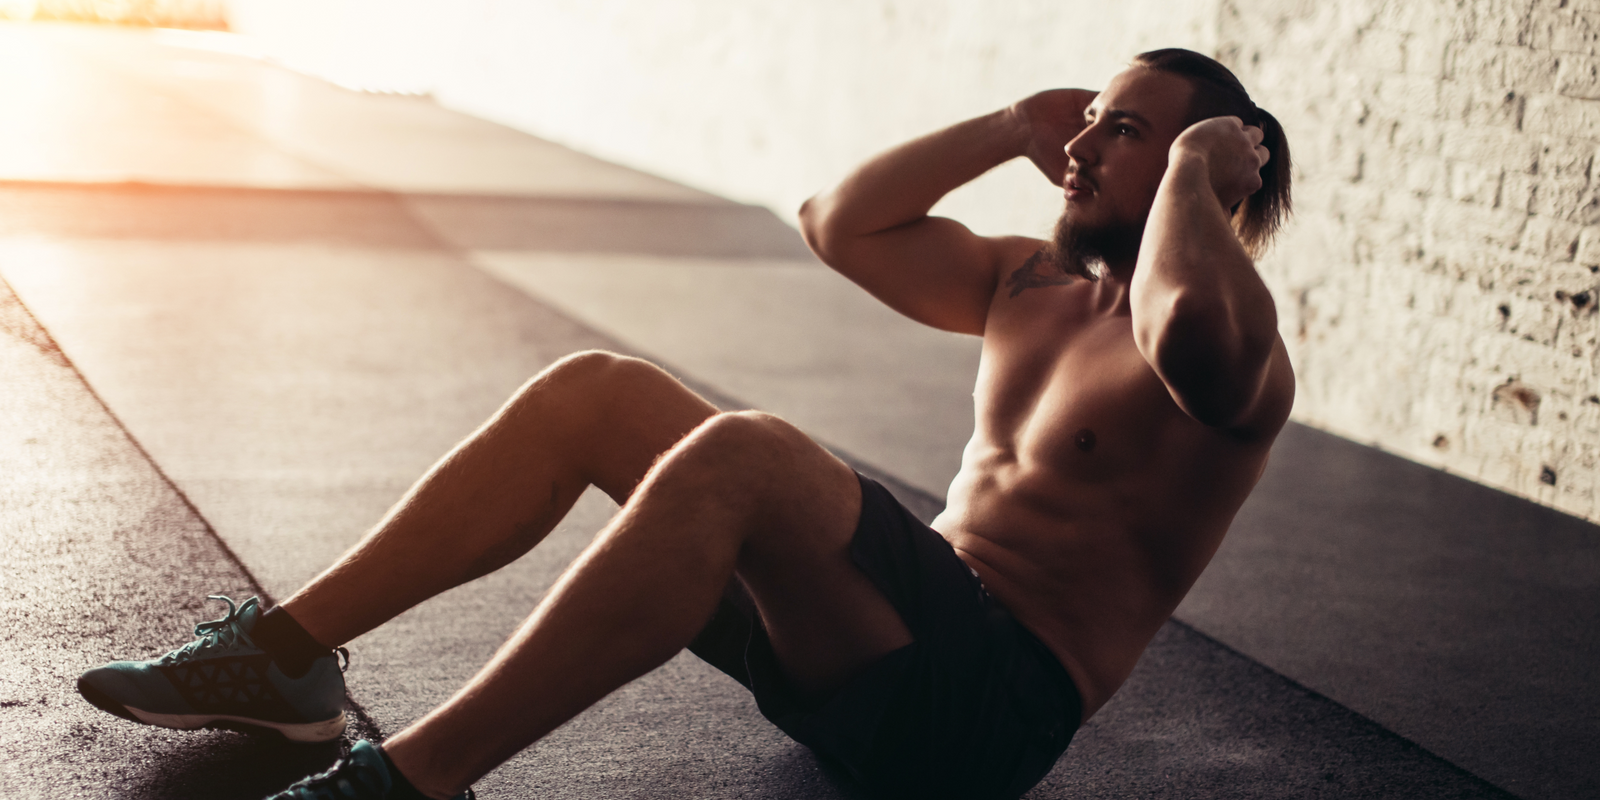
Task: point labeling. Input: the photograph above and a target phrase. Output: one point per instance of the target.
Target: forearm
(1202, 315)
(900, 185)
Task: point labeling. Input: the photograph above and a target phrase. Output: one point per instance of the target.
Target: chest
(1070, 390)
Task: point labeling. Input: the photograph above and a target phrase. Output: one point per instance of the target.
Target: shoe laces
(347, 779)
(217, 634)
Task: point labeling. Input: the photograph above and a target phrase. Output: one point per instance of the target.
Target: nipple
(1084, 440)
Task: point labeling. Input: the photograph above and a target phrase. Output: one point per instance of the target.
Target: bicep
(1221, 380)
(933, 270)
(1268, 410)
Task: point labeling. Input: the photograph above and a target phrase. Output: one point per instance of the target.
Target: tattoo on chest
(1028, 276)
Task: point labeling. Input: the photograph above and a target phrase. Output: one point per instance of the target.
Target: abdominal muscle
(1091, 568)
(1088, 502)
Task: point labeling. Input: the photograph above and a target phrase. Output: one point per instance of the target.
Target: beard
(1085, 250)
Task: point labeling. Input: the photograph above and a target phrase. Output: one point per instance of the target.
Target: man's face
(1116, 163)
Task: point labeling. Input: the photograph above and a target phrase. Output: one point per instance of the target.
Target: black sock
(289, 645)
(400, 788)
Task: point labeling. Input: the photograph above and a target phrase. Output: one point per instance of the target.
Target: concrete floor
(244, 309)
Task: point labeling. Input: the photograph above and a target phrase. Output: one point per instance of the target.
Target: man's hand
(875, 229)
(1050, 119)
(1232, 152)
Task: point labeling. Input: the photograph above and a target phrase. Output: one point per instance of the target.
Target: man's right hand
(1050, 119)
(875, 229)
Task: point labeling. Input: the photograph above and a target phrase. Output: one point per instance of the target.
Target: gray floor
(220, 375)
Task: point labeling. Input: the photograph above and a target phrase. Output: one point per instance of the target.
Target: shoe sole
(323, 731)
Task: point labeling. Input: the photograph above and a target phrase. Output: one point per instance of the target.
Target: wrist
(1191, 170)
(1014, 130)
(1181, 157)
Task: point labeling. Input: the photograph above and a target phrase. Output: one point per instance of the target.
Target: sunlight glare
(18, 9)
(233, 44)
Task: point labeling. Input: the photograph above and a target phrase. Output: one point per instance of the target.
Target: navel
(1084, 440)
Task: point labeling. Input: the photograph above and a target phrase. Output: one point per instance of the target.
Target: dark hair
(1218, 93)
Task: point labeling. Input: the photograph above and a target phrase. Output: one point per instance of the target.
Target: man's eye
(1126, 130)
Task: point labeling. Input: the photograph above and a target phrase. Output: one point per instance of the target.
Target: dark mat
(1458, 616)
(1199, 720)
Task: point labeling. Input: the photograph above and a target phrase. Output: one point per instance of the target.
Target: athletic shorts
(975, 708)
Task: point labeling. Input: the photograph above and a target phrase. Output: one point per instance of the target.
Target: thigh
(825, 618)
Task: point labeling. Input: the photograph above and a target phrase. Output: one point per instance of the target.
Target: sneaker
(223, 680)
(362, 775)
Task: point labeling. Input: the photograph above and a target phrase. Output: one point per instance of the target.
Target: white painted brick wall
(1437, 289)
(1439, 286)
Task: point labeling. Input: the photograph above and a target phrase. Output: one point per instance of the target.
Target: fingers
(1255, 135)
(1220, 136)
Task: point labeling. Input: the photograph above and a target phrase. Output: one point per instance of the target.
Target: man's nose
(1081, 148)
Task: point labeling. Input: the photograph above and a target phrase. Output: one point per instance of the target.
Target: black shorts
(976, 707)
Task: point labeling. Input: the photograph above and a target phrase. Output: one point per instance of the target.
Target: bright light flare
(201, 14)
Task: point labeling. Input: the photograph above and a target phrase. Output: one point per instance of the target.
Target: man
(1132, 382)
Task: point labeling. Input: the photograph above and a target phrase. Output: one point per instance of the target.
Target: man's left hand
(1232, 152)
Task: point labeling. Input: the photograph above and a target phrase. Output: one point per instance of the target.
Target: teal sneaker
(223, 680)
(362, 775)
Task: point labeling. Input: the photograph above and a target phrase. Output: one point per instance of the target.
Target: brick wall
(1438, 288)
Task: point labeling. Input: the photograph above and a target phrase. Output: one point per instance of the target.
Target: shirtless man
(1132, 382)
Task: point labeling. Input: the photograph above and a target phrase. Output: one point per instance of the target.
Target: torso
(1088, 502)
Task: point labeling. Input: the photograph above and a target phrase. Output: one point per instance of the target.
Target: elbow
(1221, 410)
(814, 230)
(808, 218)
(1219, 398)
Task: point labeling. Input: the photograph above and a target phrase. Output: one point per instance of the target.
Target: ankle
(404, 788)
(291, 647)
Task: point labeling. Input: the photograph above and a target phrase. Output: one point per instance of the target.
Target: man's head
(1118, 160)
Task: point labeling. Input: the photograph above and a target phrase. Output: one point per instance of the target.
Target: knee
(744, 443)
(753, 464)
(588, 378)
(737, 428)
(592, 369)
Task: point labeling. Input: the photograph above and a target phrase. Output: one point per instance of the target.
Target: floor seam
(365, 726)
